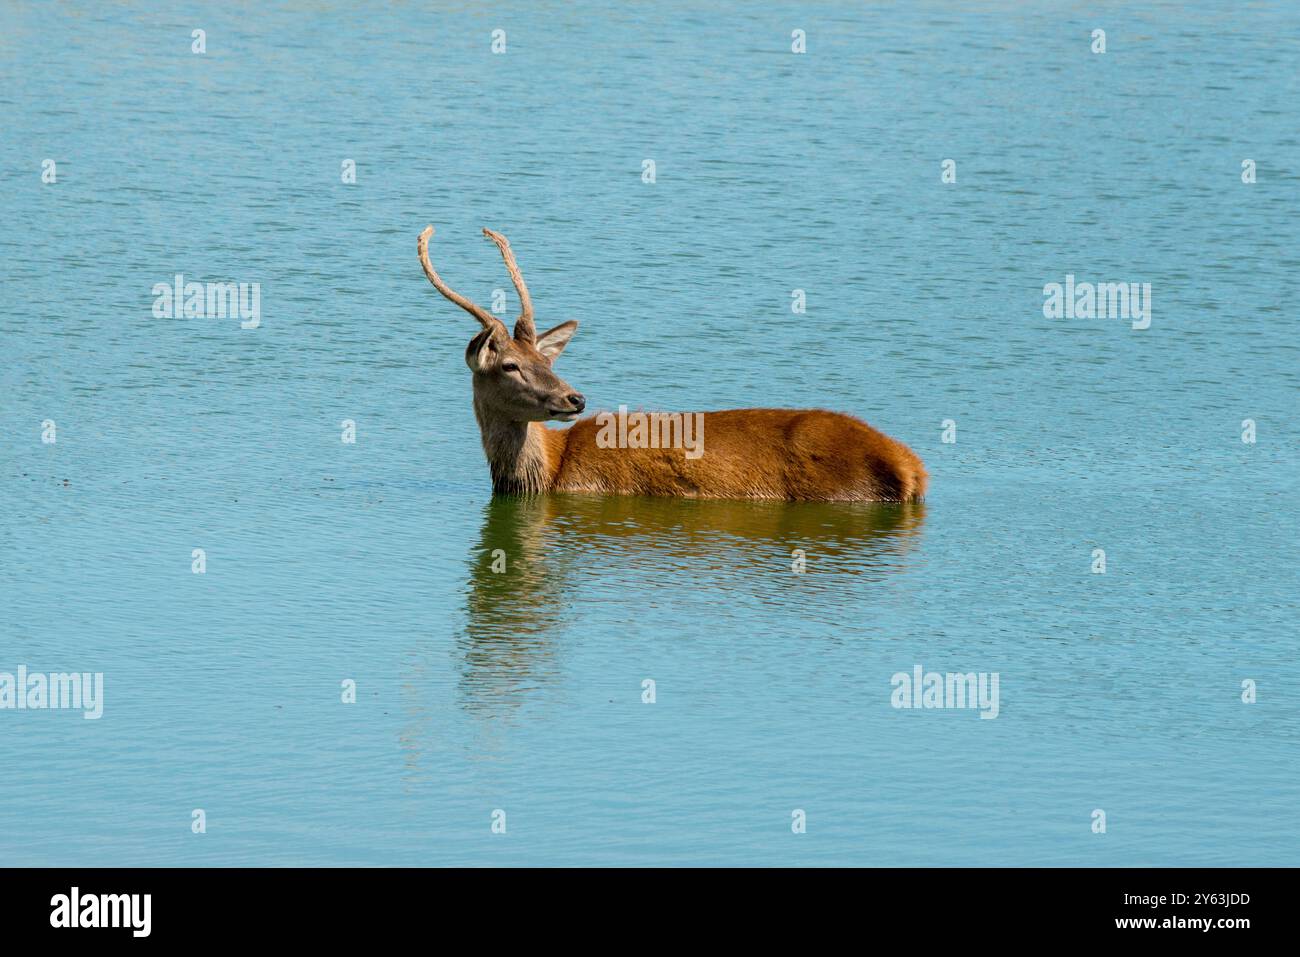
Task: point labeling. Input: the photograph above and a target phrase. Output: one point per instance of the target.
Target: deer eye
(510, 367)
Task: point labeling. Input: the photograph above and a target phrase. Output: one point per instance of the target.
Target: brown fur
(747, 453)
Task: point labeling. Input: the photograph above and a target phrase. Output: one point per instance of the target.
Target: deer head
(513, 380)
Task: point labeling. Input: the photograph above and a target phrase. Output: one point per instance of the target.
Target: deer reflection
(537, 556)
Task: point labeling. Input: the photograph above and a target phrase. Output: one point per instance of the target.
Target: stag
(808, 454)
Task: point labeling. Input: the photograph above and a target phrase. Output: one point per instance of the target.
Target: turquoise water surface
(371, 562)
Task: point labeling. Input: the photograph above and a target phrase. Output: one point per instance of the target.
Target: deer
(792, 454)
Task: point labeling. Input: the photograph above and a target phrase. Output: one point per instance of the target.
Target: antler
(478, 312)
(524, 328)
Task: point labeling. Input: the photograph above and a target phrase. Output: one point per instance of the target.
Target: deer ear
(552, 342)
(481, 348)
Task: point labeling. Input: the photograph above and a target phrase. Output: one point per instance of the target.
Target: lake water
(522, 691)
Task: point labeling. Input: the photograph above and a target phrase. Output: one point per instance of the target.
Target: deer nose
(577, 400)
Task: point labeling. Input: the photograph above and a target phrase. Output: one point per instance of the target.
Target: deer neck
(522, 455)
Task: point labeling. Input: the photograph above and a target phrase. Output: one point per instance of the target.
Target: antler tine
(524, 328)
(478, 312)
